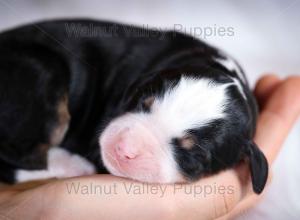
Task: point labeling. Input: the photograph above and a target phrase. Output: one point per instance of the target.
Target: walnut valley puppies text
(91, 30)
(92, 189)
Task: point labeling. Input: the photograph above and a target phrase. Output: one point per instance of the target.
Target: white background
(266, 39)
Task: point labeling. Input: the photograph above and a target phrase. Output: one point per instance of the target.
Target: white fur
(61, 163)
(190, 104)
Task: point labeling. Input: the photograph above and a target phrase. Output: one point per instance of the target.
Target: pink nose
(127, 149)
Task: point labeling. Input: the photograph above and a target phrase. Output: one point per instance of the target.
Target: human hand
(280, 105)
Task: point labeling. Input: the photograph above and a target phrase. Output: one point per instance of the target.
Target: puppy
(160, 107)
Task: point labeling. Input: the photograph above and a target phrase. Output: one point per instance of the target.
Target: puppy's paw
(61, 163)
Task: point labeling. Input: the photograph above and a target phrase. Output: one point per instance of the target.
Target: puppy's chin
(148, 177)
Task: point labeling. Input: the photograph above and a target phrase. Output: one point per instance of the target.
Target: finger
(278, 116)
(265, 87)
(220, 194)
(249, 200)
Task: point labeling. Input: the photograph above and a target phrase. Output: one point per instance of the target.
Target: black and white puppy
(164, 107)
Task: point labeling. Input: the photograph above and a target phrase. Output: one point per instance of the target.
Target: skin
(280, 107)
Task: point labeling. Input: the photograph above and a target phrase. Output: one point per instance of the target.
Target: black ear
(258, 167)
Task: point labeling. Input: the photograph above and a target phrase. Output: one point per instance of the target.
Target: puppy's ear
(258, 167)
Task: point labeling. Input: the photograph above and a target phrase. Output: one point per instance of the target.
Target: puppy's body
(58, 89)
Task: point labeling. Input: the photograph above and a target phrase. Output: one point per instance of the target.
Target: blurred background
(263, 35)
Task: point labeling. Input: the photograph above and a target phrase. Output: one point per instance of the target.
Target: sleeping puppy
(164, 107)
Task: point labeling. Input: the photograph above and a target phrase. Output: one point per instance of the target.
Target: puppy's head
(179, 127)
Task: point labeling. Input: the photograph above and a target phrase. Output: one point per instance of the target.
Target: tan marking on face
(149, 101)
(187, 141)
(63, 120)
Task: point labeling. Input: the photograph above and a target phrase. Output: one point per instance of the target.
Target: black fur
(104, 77)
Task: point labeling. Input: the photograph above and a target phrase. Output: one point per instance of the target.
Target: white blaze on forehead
(60, 164)
(189, 104)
